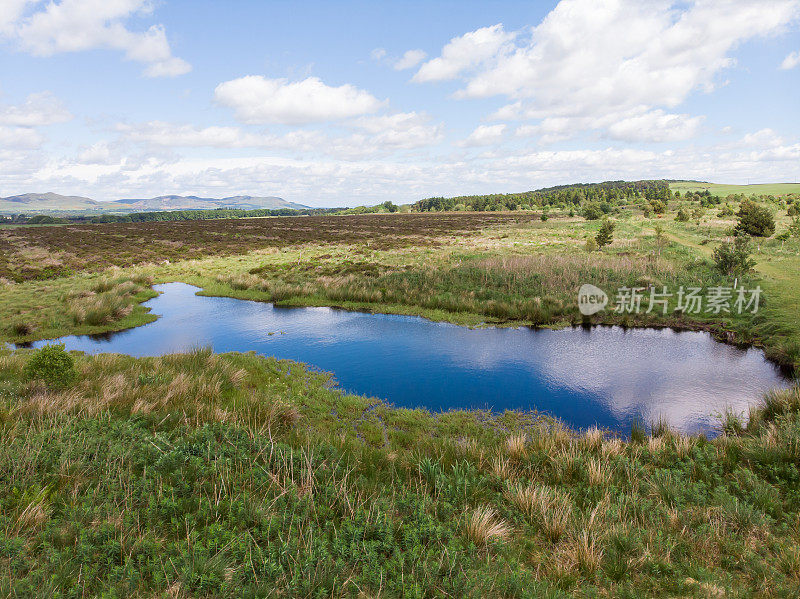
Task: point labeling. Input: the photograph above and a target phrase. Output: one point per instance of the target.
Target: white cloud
(635, 125)
(165, 134)
(98, 153)
(19, 138)
(257, 99)
(334, 181)
(791, 61)
(587, 56)
(552, 130)
(765, 138)
(465, 52)
(11, 11)
(37, 110)
(402, 130)
(162, 134)
(409, 60)
(77, 25)
(374, 135)
(378, 53)
(485, 135)
(627, 58)
(655, 126)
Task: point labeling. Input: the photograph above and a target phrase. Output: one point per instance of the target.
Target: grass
(83, 304)
(722, 189)
(205, 475)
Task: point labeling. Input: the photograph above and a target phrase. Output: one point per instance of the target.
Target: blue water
(605, 376)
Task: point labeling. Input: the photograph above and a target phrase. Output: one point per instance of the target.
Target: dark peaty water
(606, 376)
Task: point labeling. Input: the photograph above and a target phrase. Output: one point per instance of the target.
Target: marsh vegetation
(202, 475)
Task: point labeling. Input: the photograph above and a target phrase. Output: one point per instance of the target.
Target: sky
(353, 103)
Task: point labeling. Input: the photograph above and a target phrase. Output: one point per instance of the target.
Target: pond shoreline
(603, 375)
(211, 288)
(476, 320)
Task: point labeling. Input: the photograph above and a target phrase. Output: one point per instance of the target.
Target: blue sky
(346, 103)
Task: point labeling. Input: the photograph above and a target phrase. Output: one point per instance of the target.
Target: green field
(230, 475)
(723, 189)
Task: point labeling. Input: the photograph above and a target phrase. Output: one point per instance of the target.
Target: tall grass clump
(107, 301)
(484, 526)
(776, 403)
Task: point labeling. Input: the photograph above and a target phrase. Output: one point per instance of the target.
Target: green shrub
(53, 365)
(606, 233)
(794, 228)
(592, 211)
(734, 258)
(755, 220)
(682, 216)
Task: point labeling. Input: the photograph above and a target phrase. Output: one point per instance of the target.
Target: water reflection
(604, 376)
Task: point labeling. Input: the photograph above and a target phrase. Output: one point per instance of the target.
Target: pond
(604, 376)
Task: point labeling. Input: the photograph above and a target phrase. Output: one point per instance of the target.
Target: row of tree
(610, 193)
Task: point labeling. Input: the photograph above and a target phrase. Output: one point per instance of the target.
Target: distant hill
(46, 202)
(30, 203)
(173, 202)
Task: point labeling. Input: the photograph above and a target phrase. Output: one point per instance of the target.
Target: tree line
(567, 196)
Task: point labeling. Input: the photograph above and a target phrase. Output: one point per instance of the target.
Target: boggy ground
(468, 268)
(30, 253)
(202, 475)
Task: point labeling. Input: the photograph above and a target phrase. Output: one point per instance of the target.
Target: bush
(726, 211)
(794, 210)
(592, 211)
(53, 365)
(794, 228)
(606, 233)
(682, 216)
(734, 258)
(755, 220)
(591, 245)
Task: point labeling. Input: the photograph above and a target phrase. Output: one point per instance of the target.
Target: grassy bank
(80, 305)
(202, 475)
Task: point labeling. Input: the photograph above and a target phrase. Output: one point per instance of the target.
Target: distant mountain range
(196, 203)
(46, 202)
(53, 202)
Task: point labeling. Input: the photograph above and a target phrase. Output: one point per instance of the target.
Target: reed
(483, 527)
